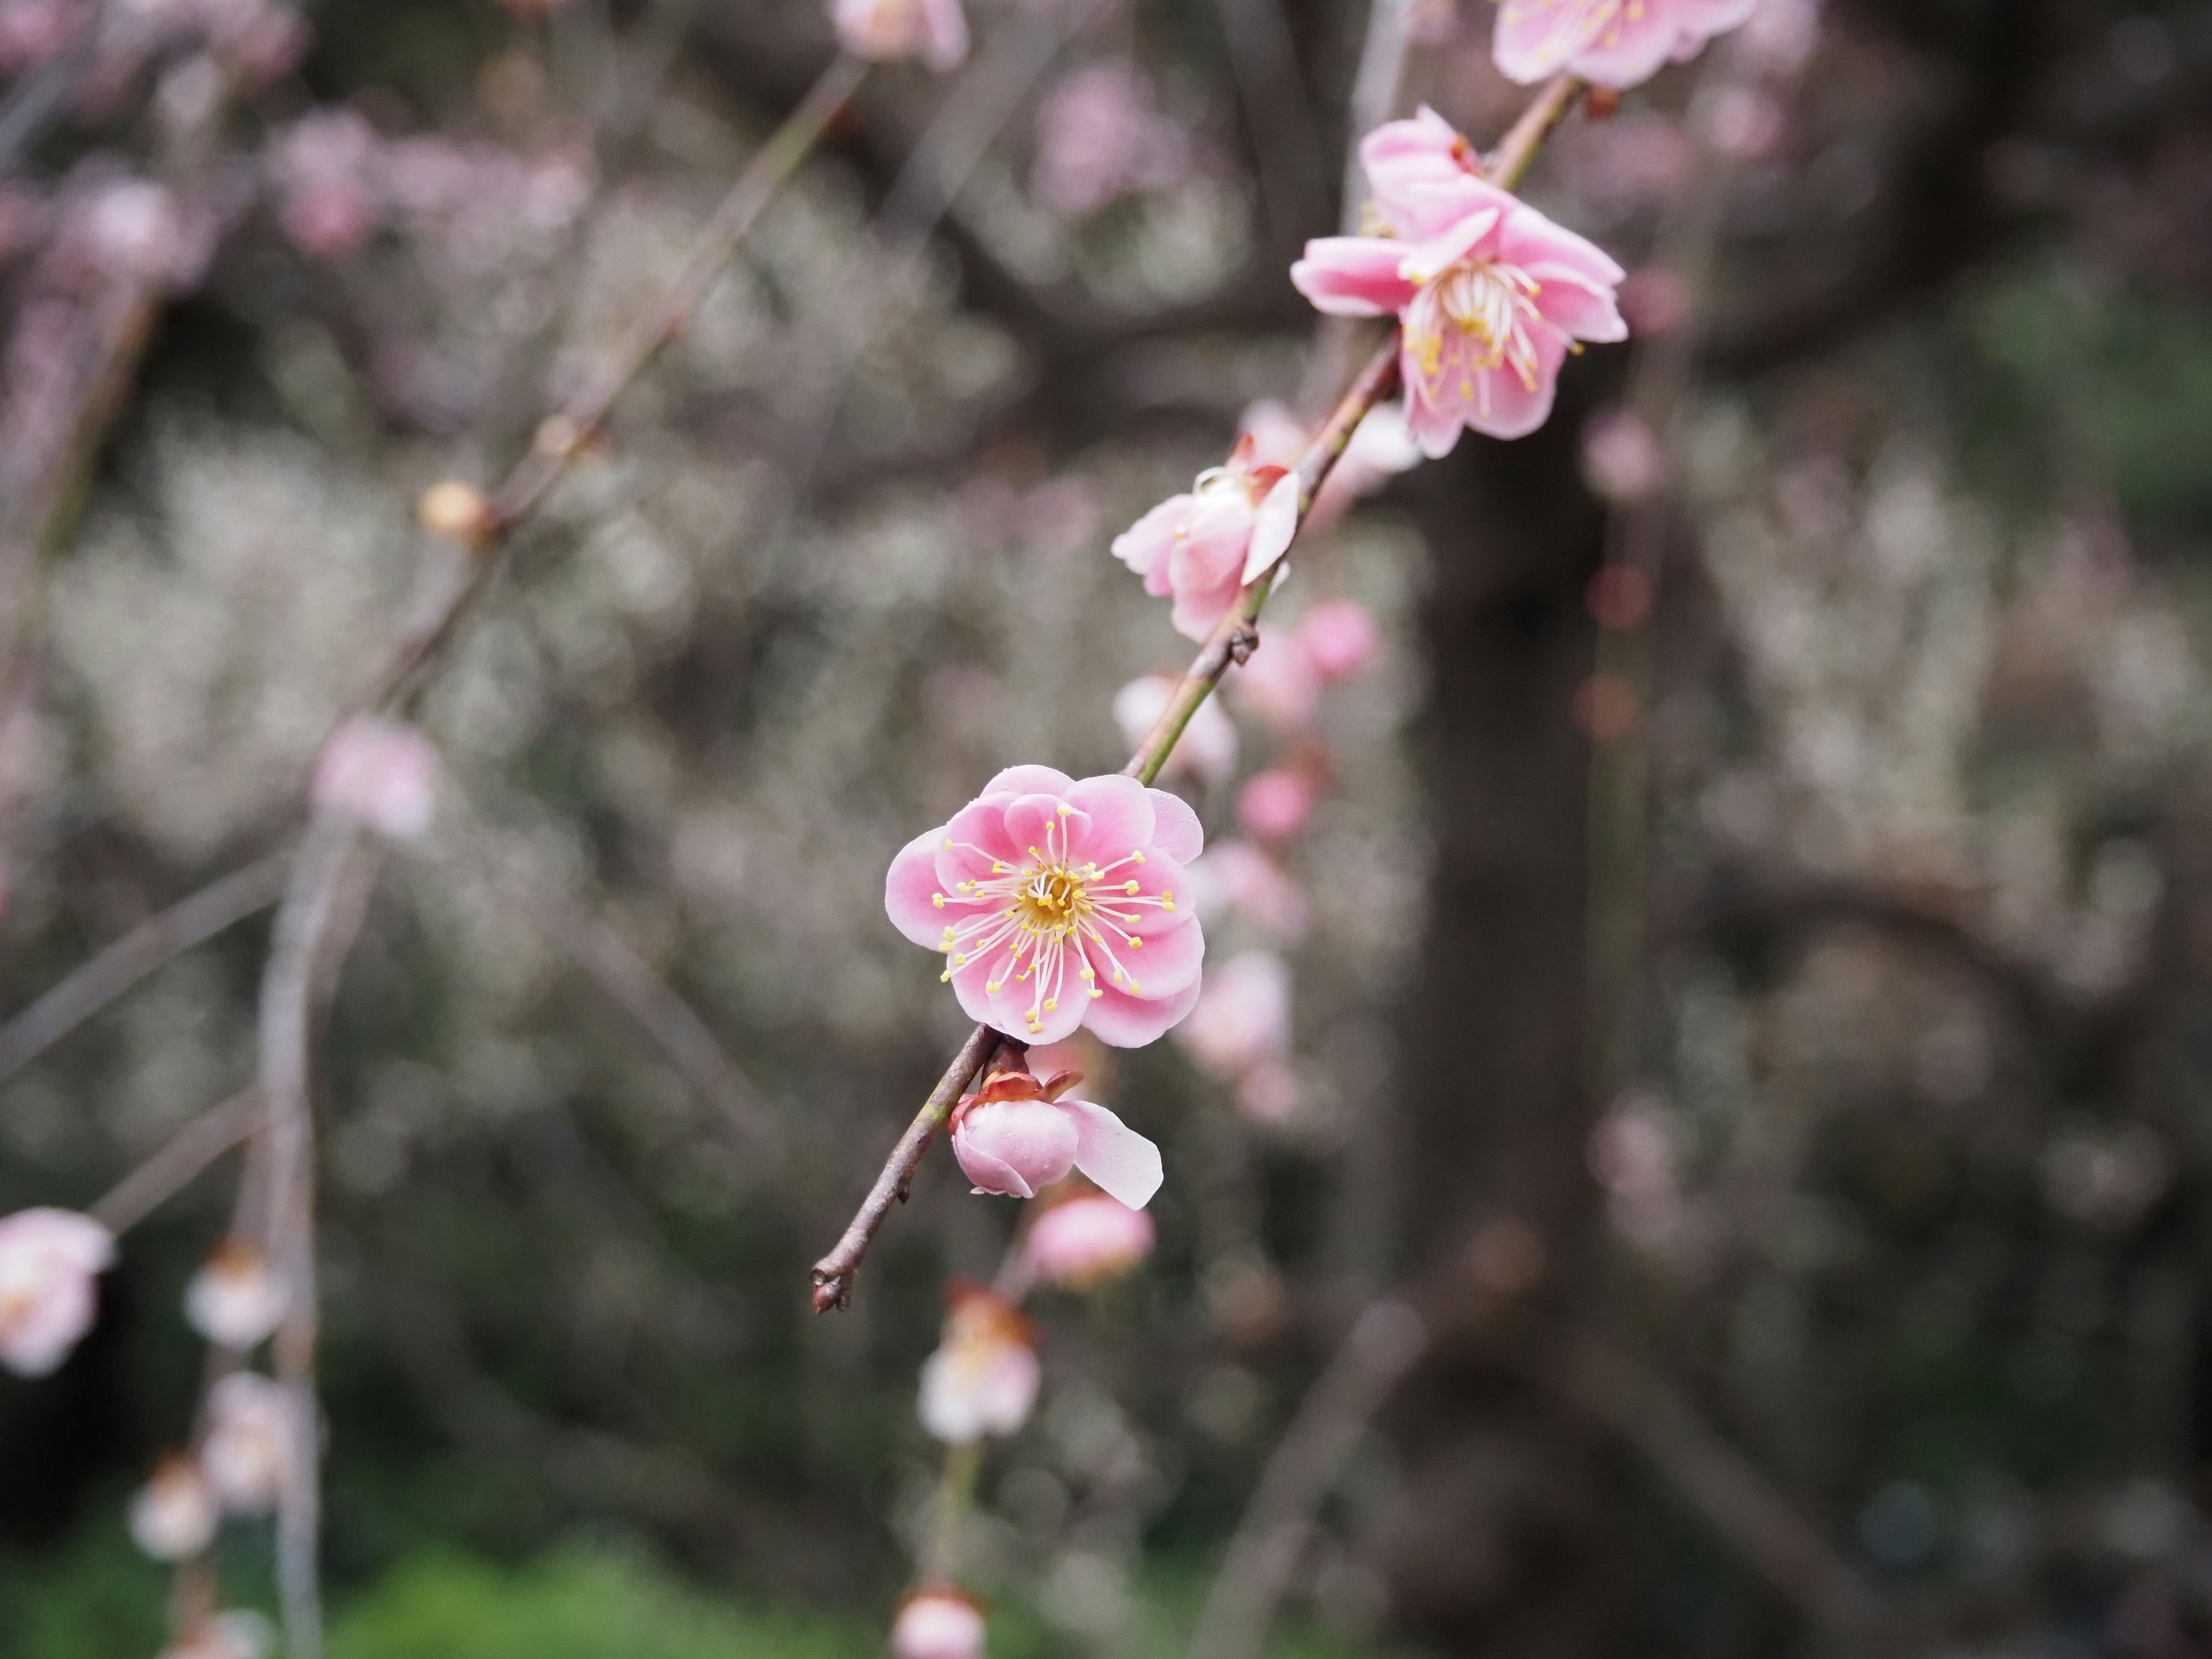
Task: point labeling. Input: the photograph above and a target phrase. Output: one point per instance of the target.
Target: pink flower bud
(1015, 1136)
(1085, 1241)
(235, 1300)
(1339, 638)
(935, 31)
(50, 1262)
(1203, 546)
(1275, 806)
(937, 1624)
(983, 1378)
(250, 1442)
(381, 772)
(1243, 1016)
(173, 1516)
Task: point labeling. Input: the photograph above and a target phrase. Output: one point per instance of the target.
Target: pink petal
(1433, 430)
(1167, 959)
(1274, 528)
(1159, 875)
(1529, 240)
(1146, 543)
(1027, 780)
(911, 887)
(1175, 828)
(1352, 276)
(1631, 50)
(1125, 1164)
(1121, 1021)
(943, 33)
(990, 1174)
(1586, 312)
(1211, 550)
(977, 838)
(1536, 38)
(1430, 258)
(1119, 816)
(1040, 829)
(1198, 609)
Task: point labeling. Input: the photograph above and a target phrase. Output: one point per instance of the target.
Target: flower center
(1053, 901)
(1491, 308)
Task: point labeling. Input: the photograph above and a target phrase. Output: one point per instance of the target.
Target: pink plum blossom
(983, 1378)
(1015, 1136)
(935, 31)
(1208, 747)
(235, 1300)
(1201, 546)
(937, 1624)
(249, 1446)
(325, 168)
(1491, 293)
(1279, 683)
(1609, 43)
(1622, 458)
(50, 1261)
(1055, 904)
(1098, 135)
(1339, 638)
(1085, 1240)
(1380, 449)
(174, 1515)
(382, 772)
(1238, 875)
(1269, 1093)
(1244, 1018)
(1275, 806)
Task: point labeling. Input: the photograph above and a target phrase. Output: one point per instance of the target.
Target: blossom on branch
(983, 1378)
(1085, 1240)
(1056, 905)
(935, 31)
(1491, 293)
(49, 1261)
(174, 1515)
(235, 1300)
(249, 1446)
(1197, 546)
(384, 772)
(937, 1624)
(1609, 43)
(1339, 638)
(1016, 1136)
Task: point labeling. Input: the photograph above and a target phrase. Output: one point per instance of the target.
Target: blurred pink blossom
(1275, 806)
(1016, 1136)
(937, 1624)
(1054, 902)
(1491, 293)
(129, 230)
(50, 1262)
(1060, 517)
(382, 772)
(1203, 546)
(1653, 301)
(983, 1378)
(326, 169)
(174, 1515)
(1740, 123)
(235, 1300)
(1610, 43)
(1269, 1093)
(1238, 874)
(1279, 682)
(32, 31)
(1622, 460)
(1208, 747)
(934, 31)
(1279, 437)
(249, 1446)
(1099, 136)
(1781, 35)
(1244, 1018)
(1339, 638)
(1084, 1241)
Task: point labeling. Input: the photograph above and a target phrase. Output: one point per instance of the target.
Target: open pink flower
(935, 31)
(1611, 43)
(1016, 1136)
(1086, 1240)
(983, 1378)
(1199, 546)
(937, 1624)
(49, 1261)
(1491, 295)
(1055, 904)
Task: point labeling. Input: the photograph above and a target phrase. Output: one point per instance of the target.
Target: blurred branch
(177, 1163)
(153, 942)
(1506, 165)
(1286, 151)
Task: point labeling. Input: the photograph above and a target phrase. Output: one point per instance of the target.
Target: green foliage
(100, 1600)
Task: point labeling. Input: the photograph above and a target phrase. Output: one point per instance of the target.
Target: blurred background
(1746, 953)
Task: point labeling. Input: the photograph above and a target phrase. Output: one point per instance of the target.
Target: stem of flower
(1510, 161)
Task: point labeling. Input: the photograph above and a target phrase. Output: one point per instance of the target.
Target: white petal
(1125, 1164)
(1274, 526)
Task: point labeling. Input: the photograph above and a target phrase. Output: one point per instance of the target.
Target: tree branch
(176, 1163)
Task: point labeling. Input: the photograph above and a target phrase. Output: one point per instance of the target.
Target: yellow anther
(1136, 944)
(945, 977)
(1131, 887)
(1139, 857)
(1051, 1005)
(959, 960)
(1087, 973)
(1097, 992)
(1062, 808)
(938, 899)
(993, 986)
(949, 935)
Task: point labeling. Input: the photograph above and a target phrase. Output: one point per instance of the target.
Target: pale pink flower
(1275, 806)
(1279, 436)
(1207, 748)
(1279, 682)
(1055, 904)
(250, 1442)
(1015, 1136)
(935, 31)
(1085, 1241)
(1269, 1093)
(1339, 638)
(1203, 546)
(173, 1516)
(1237, 874)
(1622, 460)
(983, 1378)
(937, 1624)
(1098, 136)
(1610, 43)
(382, 772)
(325, 168)
(235, 1300)
(1244, 1018)
(1491, 295)
(50, 1263)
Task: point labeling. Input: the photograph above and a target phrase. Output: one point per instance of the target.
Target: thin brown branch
(154, 942)
(1510, 161)
(833, 1274)
(177, 1163)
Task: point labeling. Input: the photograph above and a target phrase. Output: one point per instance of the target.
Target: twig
(1233, 640)
(833, 1274)
(154, 942)
(176, 1163)
(567, 432)
(1385, 1343)
(1510, 160)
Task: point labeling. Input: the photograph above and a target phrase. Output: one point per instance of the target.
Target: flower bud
(248, 1450)
(384, 772)
(983, 1378)
(234, 1301)
(937, 1624)
(1275, 806)
(1338, 637)
(455, 509)
(173, 1517)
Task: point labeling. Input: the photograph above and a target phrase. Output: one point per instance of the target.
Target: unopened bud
(455, 509)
